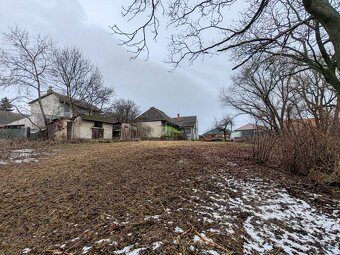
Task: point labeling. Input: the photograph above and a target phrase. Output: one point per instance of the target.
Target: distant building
(15, 131)
(8, 117)
(189, 126)
(155, 124)
(248, 130)
(215, 134)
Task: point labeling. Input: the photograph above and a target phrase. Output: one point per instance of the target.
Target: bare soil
(161, 198)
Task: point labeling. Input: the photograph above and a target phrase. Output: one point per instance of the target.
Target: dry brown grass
(83, 184)
(90, 190)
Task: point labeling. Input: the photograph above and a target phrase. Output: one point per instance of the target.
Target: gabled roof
(154, 114)
(8, 117)
(249, 126)
(186, 121)
(215, 131)
(67, 100)
(99, 118)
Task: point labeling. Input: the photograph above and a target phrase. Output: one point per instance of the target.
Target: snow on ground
(156, 245)
(22, 156)
(179, 230)
(273, 218)
(86, 249)
(154, 217)
(26, 250)
(255, 210)
(128, 250)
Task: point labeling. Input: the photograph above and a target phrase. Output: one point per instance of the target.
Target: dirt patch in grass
(157, 198)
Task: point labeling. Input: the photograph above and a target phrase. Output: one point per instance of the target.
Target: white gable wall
(155, 127)
(83, 129)
(52, 109)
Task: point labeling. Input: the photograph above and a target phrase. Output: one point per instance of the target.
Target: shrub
(302, 152)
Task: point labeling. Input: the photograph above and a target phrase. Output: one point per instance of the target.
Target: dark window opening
(98, 124)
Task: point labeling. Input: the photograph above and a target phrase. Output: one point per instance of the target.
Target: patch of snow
(156, 245)
(23, 156)
(103, 241)
(211, 252)
(212, 230)
(231, 164)
(178, 230)
(128, 250)
(202, 238)
(155, 217)
(273, 218)
(86, 249)
(26, 250)
(26, 160)
(192, 248)
(75, 239)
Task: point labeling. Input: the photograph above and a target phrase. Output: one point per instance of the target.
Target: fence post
(28, 133)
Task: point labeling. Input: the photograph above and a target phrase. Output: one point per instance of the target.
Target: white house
(84, 122)
(156, 124)
(56, 105)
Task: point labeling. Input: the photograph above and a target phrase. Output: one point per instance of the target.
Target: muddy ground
(161, 198)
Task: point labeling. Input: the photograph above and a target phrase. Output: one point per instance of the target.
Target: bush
(307, 152)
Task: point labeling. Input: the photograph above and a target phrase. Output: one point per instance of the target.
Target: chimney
(178, 118)
(50, 90)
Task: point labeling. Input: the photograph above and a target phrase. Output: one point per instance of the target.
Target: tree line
(29, 65)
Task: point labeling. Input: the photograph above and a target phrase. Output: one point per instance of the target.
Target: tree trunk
(336, 113)
(330, 20)
(46, 121)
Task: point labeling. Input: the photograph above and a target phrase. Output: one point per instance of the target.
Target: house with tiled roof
(56, 105)
(216, 134)
(248, 130)
(68, 118)
(189, 125)
(157, 124)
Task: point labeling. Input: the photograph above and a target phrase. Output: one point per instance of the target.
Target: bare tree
(317, 98)
(125, 110)
(25, 63)
(70, 71)
(79, 79)
(304, 30)
(263, 91)
(225, 124)
(95, 93)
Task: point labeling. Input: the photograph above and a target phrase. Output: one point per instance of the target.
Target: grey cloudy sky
(189, 90)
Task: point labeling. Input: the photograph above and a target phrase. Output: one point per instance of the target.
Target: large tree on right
(305, 31)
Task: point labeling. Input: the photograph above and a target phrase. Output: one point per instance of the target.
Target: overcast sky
(189, 90)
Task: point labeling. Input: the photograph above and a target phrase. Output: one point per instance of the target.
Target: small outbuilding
(81, 127)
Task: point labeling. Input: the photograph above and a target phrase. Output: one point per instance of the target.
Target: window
(98, 124)
(67, 109)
